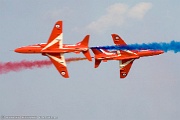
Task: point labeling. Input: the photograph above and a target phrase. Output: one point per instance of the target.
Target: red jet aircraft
(55, 49)
(125, 57)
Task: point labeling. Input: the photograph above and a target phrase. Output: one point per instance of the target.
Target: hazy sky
(150, 91)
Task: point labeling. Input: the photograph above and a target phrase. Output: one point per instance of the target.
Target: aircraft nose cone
(18, 50)
(159, 51)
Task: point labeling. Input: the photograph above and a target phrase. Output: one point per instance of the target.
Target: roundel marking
(117, 38)
(124, 74)
(63, 73)
(57, 26)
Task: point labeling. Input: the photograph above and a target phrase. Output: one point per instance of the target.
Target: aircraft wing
(59, 62)
(125, 66)
(56, 37)
(118, 40)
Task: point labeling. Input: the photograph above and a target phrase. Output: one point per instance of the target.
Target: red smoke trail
(24, 64)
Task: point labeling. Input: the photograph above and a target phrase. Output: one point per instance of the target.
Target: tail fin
(118, 40)
(84, 43)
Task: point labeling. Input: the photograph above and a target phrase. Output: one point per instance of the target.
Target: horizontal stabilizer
(87, 55)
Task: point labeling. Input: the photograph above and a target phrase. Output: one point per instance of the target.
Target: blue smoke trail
(171, 46)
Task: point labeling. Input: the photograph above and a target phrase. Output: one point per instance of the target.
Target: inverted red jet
(125, 57)
(55, 49)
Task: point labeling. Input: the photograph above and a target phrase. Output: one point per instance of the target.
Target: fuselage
(134, 54)
(38, 48)
(144, 53)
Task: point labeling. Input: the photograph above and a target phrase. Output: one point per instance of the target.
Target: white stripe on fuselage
(107, 53)
(130, 52)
